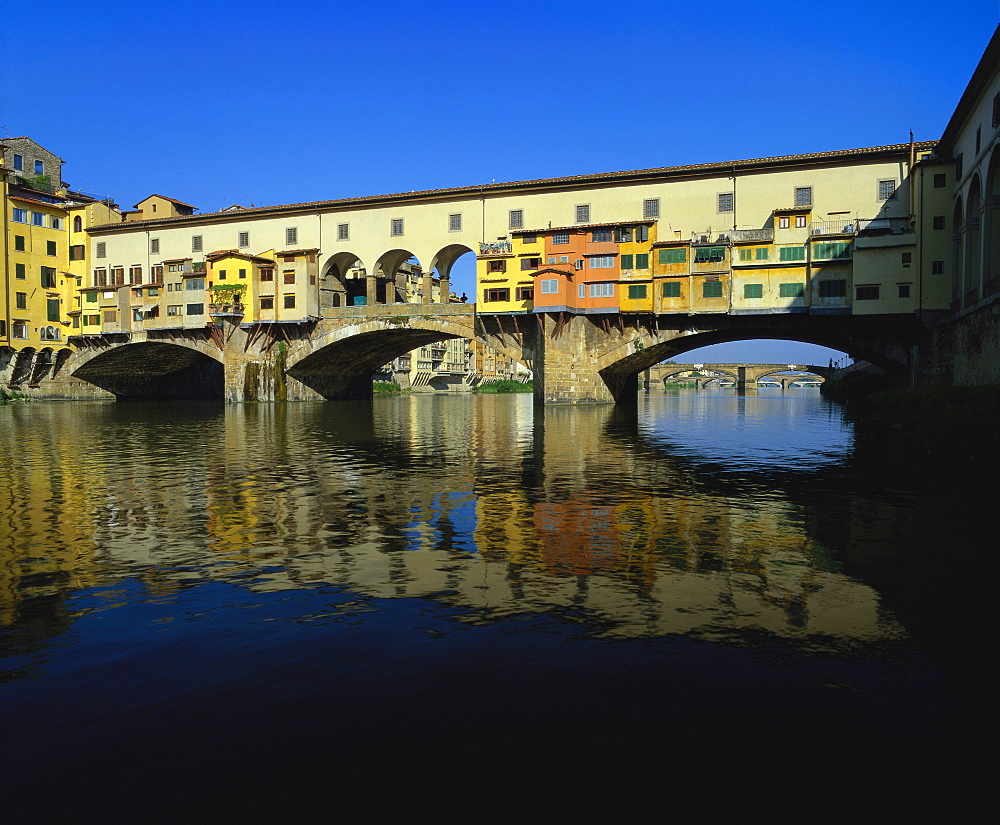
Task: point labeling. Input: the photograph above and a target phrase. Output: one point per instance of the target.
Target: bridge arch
(387, 271)
(334, 274)
(444, 260)
(991, 219)
(973, 241)
(957, 257)
(153, 369)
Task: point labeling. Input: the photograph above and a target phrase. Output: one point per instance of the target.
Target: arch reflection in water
(482, 504)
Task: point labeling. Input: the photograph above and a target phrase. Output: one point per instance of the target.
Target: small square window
(560, 238)
(937, 267)
(39, 168)
(803, 196)
(50, 248)
(19, 243)
(515, 219)
(784, 222)
(800, 221)
(20, 271)
(725, 202)
(154, 247)
(289, 302)
(102, 248)
(343, 231)
(671, 289)
(996, 111)
(753, 290)
(291, 235)
(243, 240)
(886, 189)
(906, 258)
(651, 208)
(196, 243)
(396, 227)
(455, 223)
(940, 181)
(938, 222)
(904, 290)
(18, 163)
(267, 303)
(583, 213)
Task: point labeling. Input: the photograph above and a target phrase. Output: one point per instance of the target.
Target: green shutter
(711, 289)
(753, 290)
(762, 253)
(673, 256)
(642, 261)
(672, 289)
(746, 254)
(705, 254)
(52, 305)
(790, 290)
(636, 292)
(626, 261)
(793, 253)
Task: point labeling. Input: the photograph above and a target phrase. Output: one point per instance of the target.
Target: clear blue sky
(217, 103)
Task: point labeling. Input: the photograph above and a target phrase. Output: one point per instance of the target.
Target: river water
(212, 610)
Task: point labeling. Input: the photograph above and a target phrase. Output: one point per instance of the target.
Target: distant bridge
(743, 376)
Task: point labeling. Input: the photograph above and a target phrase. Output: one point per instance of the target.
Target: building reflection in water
(479, 503)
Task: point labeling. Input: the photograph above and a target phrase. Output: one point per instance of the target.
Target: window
(135, 274)
(455, 223)
(837, 250)
(153, 292)
(39, 168)
(937, 267)
(583, 213)
(763, 253)
(288, 276)
(940, 181)
(220, 274)
(154, 247)
(291, 235)
(194, 309)
(496, 266)
(524, 293)
(938, 222)
(267, 303)
(581, 291)
(550, 286)
(673, 256)
(77, 252)
(243, 240)
(20, 215)
(792, 253)
(343, 231)
(19, 243)
(529, 239)
(711, 289)
(117, 276)
(493, 295)
(725, 201)
(866, 293)
(289, 302)
(100, 277)
(832, 289)
(20, 300)
(560, 238)
(196, 244)
(52, 310)
(746, 254)
(530, 263)
(102, 249)
(642, 261)
(601, 235)
(904, 290)
(996, 111)
(396, 227)
(602, 290)
(266, 274)
(55, 223)
(110, 316)
(958, 166)
(753, 290)
(707, 254)
(790, 290)
(515, 219)
(18, 163)
(156, 274)
(50, 248)
(623, 234)
(651, 208)
(906, 258)
(886, 189)
(19, 271)
(77, 224)
(602, 262)
(803, 196)
(671, 289)
(91, 320)
(636, 292)
(243, 274)
(19, 329)
(800, 221)
(783, 222)
(174, 309)
(626, 261)
(979, 138)
(48, 274)
(192, 284)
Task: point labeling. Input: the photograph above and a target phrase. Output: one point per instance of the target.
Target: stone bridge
(744, 376)
(574, 358)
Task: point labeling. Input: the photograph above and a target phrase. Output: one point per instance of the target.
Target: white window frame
(549, 286)
(602, 290)
(601, 262)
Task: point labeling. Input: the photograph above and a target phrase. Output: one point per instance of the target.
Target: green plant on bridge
(228, 293)
(397, 320)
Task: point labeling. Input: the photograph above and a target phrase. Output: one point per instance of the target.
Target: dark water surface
(212, 613)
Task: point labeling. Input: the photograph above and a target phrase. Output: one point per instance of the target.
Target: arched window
(77, 224)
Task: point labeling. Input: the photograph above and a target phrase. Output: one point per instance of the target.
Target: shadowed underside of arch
(155, 371)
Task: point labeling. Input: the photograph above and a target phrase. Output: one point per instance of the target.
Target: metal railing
(844, 226)
(884, 226)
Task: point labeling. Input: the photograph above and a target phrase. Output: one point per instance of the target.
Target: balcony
(845, 226)
(762, 235)
(884, 226)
